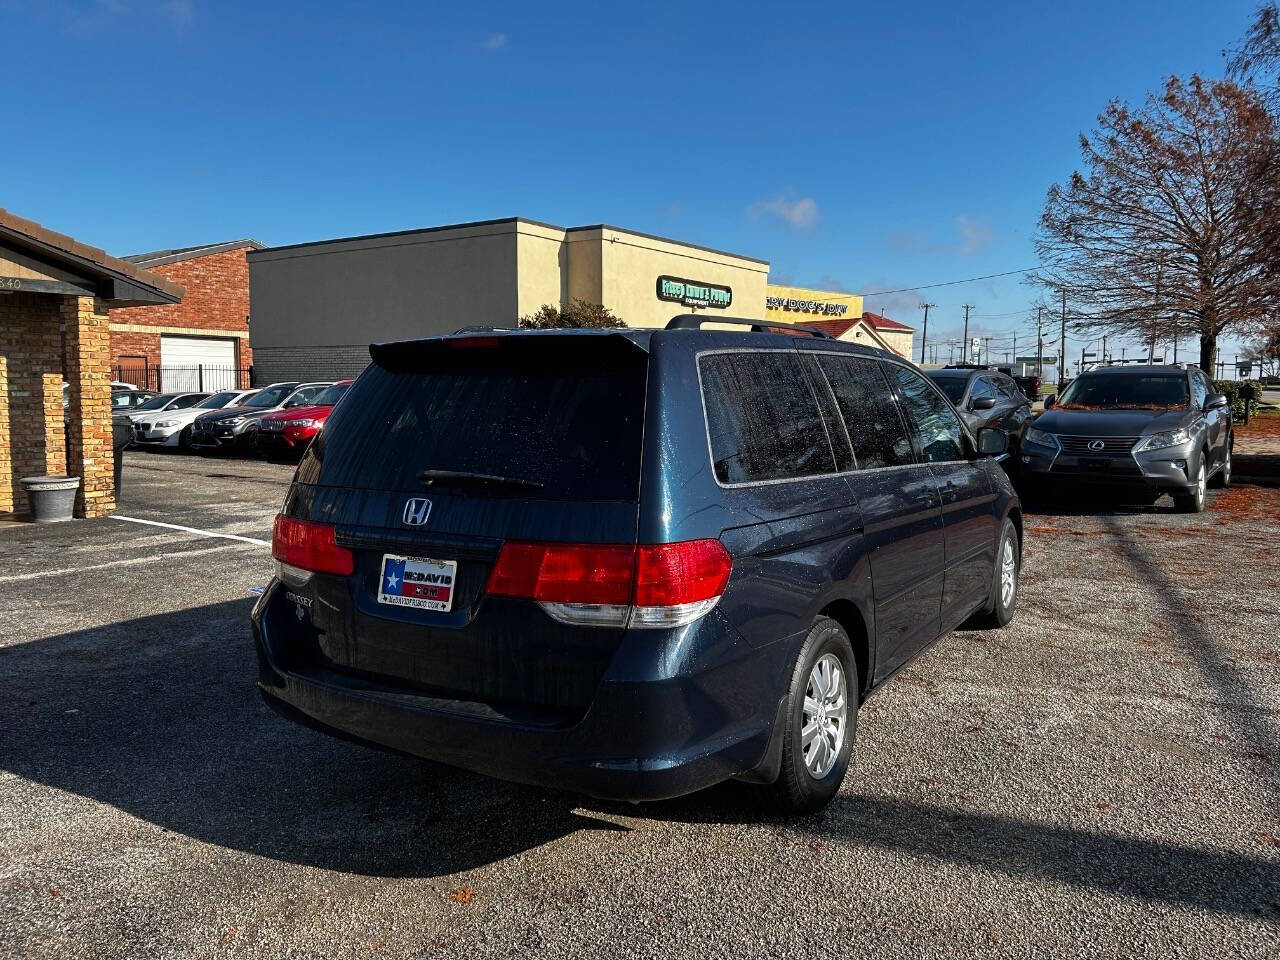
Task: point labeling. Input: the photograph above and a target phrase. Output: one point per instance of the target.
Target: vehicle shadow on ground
(1106, 863)
(158, 716)
(1249, 712)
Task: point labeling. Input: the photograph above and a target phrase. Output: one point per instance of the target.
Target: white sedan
(169, 427)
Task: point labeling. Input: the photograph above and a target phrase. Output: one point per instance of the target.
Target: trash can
(121, 435)
(53, 499)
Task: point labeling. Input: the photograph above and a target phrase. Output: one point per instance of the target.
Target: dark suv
(631, 563)
(1140, 431)
(986, 398)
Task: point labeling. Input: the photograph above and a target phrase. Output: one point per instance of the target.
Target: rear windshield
(950, 384)
(569, 420)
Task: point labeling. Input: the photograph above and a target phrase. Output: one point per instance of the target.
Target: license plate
(417, 582)
(1096, 465)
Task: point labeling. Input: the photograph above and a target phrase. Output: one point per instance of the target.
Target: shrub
(578, 314)
(1231, 390)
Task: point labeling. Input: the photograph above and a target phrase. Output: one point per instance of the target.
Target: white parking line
(130, 562)
(204, 533)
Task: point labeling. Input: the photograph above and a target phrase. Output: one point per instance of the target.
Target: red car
(287, 432)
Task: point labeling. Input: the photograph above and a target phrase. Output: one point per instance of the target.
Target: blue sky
(854, 145)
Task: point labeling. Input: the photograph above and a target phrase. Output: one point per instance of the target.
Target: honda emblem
(1093, 445)
(416, 511)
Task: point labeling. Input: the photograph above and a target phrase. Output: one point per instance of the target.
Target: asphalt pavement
(1102, 778)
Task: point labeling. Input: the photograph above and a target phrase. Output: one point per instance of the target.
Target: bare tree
(1159, 236)
(1258, 57)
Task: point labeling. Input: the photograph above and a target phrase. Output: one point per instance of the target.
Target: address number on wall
(10, 283)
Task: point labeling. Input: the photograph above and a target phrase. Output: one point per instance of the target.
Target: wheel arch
(846, 613)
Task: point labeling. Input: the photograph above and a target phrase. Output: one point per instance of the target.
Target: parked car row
(277, 420)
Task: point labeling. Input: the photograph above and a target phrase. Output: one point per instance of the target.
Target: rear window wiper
(467, 478)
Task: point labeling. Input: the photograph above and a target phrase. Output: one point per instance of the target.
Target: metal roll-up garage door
(197, 363)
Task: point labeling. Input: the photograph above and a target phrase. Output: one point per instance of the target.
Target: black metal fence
(167, 378)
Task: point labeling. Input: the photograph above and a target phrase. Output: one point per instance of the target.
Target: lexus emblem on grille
(1093, 445)
(416, 511)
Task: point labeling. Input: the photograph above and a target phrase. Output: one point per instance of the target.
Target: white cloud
(179, 13)
(973, 235)
(495, 42)
(798, 214)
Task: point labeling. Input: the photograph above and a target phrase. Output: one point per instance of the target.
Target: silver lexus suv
(1141, 431)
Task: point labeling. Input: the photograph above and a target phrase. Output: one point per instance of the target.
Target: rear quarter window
(763, 422)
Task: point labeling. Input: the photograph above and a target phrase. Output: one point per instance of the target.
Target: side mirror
(1215, 400)
(982, 403)
(1050, 400)
(992, 442)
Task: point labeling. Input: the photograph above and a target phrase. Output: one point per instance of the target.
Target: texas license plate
(417, 582)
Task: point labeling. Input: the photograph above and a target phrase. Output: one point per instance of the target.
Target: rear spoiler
(403, 356)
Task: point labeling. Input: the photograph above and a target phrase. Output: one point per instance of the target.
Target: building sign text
(806, 306)
(691, 293)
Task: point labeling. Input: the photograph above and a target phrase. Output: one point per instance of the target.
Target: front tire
(821, 721)
(184, 440)
(1194, 501)
(1004, 580)
(1222, 479)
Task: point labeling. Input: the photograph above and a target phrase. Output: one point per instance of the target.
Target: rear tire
(821, 721)
(1194, 501)
(1004, 581)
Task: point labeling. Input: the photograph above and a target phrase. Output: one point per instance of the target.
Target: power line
(950, 283)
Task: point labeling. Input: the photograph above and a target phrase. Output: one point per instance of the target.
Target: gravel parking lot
(1100, 779)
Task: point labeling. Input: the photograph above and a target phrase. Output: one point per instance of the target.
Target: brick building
(55, 296)
(201, 343)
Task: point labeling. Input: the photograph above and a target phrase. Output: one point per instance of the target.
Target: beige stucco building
(315, 307)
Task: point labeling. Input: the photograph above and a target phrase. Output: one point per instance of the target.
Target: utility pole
(964, 346)
(1103, 358)
(1062, 367)
(986, 350)
(1040, 340)
(924, 337)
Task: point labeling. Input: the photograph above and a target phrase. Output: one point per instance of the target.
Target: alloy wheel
(1008, 574)
(826, 710)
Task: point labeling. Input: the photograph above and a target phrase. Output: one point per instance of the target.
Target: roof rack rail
(482, 328)
(691, 321)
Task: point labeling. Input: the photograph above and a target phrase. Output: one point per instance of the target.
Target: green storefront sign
(692, 293)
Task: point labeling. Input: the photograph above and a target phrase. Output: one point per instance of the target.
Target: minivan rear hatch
(441, 452)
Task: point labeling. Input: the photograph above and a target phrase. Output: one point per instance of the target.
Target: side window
(762, 419)
(983, 387)
(1009, 388)
(190, 400)
(870, 413)
(1199, 389)
(937, 429)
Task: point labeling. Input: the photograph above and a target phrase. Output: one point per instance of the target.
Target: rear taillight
(309, 546)
(663, 585)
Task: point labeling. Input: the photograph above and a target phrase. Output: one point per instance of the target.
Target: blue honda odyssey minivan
(631, 563)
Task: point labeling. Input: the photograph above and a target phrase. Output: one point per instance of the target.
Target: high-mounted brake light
(660, 585)
(470, 343)
(309, 546)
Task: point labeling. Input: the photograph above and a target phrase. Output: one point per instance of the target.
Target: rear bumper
(640, 739)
